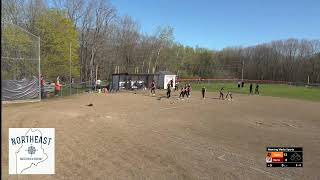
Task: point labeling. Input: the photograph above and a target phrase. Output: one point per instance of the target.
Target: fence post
(70, 70)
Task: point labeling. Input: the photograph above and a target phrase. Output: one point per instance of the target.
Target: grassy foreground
(276, 90)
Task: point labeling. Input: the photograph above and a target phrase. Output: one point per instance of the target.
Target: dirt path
(135, 136)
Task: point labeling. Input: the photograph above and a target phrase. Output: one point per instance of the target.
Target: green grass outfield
(276, 90)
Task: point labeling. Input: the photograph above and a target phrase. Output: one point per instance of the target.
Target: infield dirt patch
(137, 136)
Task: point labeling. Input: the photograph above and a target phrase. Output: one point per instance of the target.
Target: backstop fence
(20, 64)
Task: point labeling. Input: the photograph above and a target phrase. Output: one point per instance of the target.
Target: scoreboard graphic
(284, 157)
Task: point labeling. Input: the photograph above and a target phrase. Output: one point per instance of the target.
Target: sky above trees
(105, 40)
(217, 24)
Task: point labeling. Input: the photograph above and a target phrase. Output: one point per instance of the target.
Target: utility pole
(242, 70)
(70, 69)
(39, 68)
(96, 78)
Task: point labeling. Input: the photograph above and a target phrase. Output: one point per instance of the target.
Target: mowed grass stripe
(275, 90)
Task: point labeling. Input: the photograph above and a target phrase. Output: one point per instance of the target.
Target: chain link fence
(76, 88)
(20, 64)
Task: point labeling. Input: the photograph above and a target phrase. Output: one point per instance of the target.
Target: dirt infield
(136, 136)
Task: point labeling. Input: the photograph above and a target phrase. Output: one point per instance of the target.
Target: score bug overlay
(284, 157)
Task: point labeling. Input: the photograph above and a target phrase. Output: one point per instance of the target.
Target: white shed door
(167, 79)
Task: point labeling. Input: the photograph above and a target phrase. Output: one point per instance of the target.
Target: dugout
(126, 81)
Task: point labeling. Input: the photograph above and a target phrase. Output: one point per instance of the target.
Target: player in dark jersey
(221, 94)
(203, 92)
(257, 89)
(250, 88)
(168, 90)
(185, 90)
(189, 90)
(153, 88)
(181, 93)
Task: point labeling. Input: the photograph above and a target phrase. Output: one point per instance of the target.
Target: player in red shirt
(57, 88)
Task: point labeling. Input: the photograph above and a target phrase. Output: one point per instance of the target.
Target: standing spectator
(98, 85)
(257, 89)
(93, 86)
(57, 88)
(250, 88)
(130, 85)
(239, 84)
(42, 83)
(242, 84)
(171, 82)
(72, 82)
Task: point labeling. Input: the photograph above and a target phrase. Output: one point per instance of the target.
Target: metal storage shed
(125, 81)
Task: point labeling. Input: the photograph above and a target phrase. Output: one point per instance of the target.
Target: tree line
(103, 43)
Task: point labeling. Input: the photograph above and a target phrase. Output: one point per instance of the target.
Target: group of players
(229, 94)
(186, 91)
